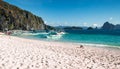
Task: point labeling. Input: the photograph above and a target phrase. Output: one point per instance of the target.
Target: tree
(10, 26)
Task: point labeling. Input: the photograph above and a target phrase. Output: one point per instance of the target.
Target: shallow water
(91, 37)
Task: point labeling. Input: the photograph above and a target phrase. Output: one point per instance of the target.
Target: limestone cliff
(12, 17)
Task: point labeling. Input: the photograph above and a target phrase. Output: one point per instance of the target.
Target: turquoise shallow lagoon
(93, 38)
(89, 38)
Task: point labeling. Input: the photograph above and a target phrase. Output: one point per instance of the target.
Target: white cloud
(45, 21)
(95, 25)
(110, 18)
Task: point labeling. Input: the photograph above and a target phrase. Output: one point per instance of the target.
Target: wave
(99, 45)
(29, 33)
(88, 40)
(55, 37)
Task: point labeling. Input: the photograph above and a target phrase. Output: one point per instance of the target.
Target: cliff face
(12, 17)
(108, 26)
(117, 26)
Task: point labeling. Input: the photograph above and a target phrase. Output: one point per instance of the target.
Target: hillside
(110, 26)
(14, 18)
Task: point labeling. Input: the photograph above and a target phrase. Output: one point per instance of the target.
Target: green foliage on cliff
(12, 17)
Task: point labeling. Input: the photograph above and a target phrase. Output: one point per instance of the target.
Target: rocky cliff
(108, 26)
(117, 26)
(12, 17)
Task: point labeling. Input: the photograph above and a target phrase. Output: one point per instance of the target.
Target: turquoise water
(103, 39)
(92, 38)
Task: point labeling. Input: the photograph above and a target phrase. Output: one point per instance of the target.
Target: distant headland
(106, 26)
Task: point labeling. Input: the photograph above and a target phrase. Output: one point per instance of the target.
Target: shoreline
(84, 44)
(24, 53)
(76, 43)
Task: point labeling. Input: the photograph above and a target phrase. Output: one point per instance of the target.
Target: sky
(73, 12)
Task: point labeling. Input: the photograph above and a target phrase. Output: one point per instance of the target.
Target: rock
(73, 28)
(108, 26)
(81, 46)
(117, 26)
(12, 17)
(90, 28)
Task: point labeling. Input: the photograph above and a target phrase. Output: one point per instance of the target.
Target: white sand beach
(20, 53)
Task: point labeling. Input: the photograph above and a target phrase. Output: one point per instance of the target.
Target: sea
(90, 37)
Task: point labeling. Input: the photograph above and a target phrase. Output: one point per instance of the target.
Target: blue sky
(73, 12)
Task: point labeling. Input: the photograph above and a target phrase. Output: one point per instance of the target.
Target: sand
(20, 53)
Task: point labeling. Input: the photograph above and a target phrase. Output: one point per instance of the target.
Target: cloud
(110, 18)
(95, 25)
(45, 21)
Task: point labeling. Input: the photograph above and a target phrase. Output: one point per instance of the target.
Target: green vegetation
(12, 17)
